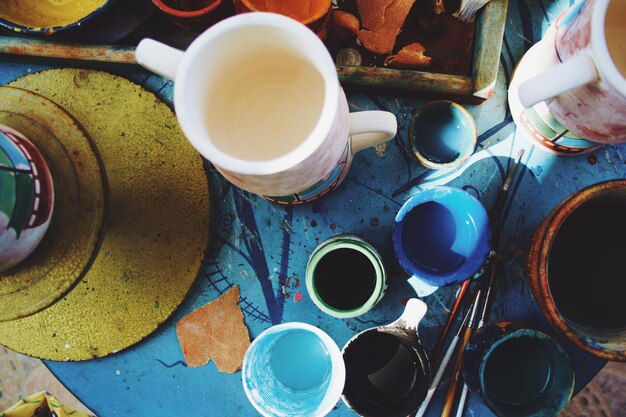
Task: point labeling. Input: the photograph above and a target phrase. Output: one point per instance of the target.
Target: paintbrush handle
(435, 382)
(451, 394)
(47, 49)
(460, 409)
(451, 317)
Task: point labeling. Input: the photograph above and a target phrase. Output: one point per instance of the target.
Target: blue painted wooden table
(263, 248)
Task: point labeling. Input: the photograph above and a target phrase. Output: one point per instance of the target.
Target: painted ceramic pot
(518, 371)
(26, 197)
(314, 14)
(585, 86)
(441, 236)
(195, 15)
(49, 17)
(573, 269)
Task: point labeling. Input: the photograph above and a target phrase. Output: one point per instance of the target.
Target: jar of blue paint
(441, 236)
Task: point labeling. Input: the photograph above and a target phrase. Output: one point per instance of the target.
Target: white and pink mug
(258, 96)
(586, 90)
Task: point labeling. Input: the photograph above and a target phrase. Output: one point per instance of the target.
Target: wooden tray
(464, 67)
(466, 70)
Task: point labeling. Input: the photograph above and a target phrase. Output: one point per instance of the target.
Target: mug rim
(360, 245)
(338, 369)
(323, 63)
(604, 62)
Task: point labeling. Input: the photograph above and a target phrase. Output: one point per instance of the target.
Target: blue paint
(293, 369)
(300, 360)
(443, 132)
(432, 241)
(442, 236)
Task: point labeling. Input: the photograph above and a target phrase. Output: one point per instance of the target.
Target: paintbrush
(494, 267)
(467, 333)
(468, 9)
(494, 218)
(443, 365)
(48, 49)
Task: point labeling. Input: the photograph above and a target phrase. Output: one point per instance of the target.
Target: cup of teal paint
(293, 369)
(442, 134)
(518, 371)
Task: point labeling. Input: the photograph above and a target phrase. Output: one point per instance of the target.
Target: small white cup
(292, 370)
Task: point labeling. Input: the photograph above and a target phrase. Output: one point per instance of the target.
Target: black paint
(384, 376)
(344, 278)
(586, 267)
(517, 372)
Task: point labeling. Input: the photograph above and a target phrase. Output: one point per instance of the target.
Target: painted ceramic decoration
(584, 82)
(26, 197)
(74, 233)
(48, 17)
(574, 269)
(299, 136)
(144, 245)
(518, 371)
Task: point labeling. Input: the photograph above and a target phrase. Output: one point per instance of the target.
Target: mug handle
(369, 128)
(574, 73)
(414, 312)
(158, 57)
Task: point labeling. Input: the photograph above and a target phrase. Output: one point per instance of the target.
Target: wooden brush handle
(47, 49)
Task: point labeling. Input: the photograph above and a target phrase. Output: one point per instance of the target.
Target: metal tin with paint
(357, 286)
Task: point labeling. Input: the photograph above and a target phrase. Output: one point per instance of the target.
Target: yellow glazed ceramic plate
(156, 226)
(74, 232)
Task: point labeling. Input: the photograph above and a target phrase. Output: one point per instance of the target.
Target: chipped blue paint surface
(263, 248)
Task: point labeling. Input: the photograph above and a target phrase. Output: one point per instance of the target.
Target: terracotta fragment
(348, 22)
(215, 332)
(410, 56)
(381, 37)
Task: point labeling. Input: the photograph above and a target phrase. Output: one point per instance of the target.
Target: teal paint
(300, 361)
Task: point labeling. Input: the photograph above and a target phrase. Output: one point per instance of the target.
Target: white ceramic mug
(258, 95)
(586, 90)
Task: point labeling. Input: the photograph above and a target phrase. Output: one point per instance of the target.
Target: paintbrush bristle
(468, 9)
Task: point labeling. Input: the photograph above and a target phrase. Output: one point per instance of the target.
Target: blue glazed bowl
(441, 236)
(24, 25)
(442, 135)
